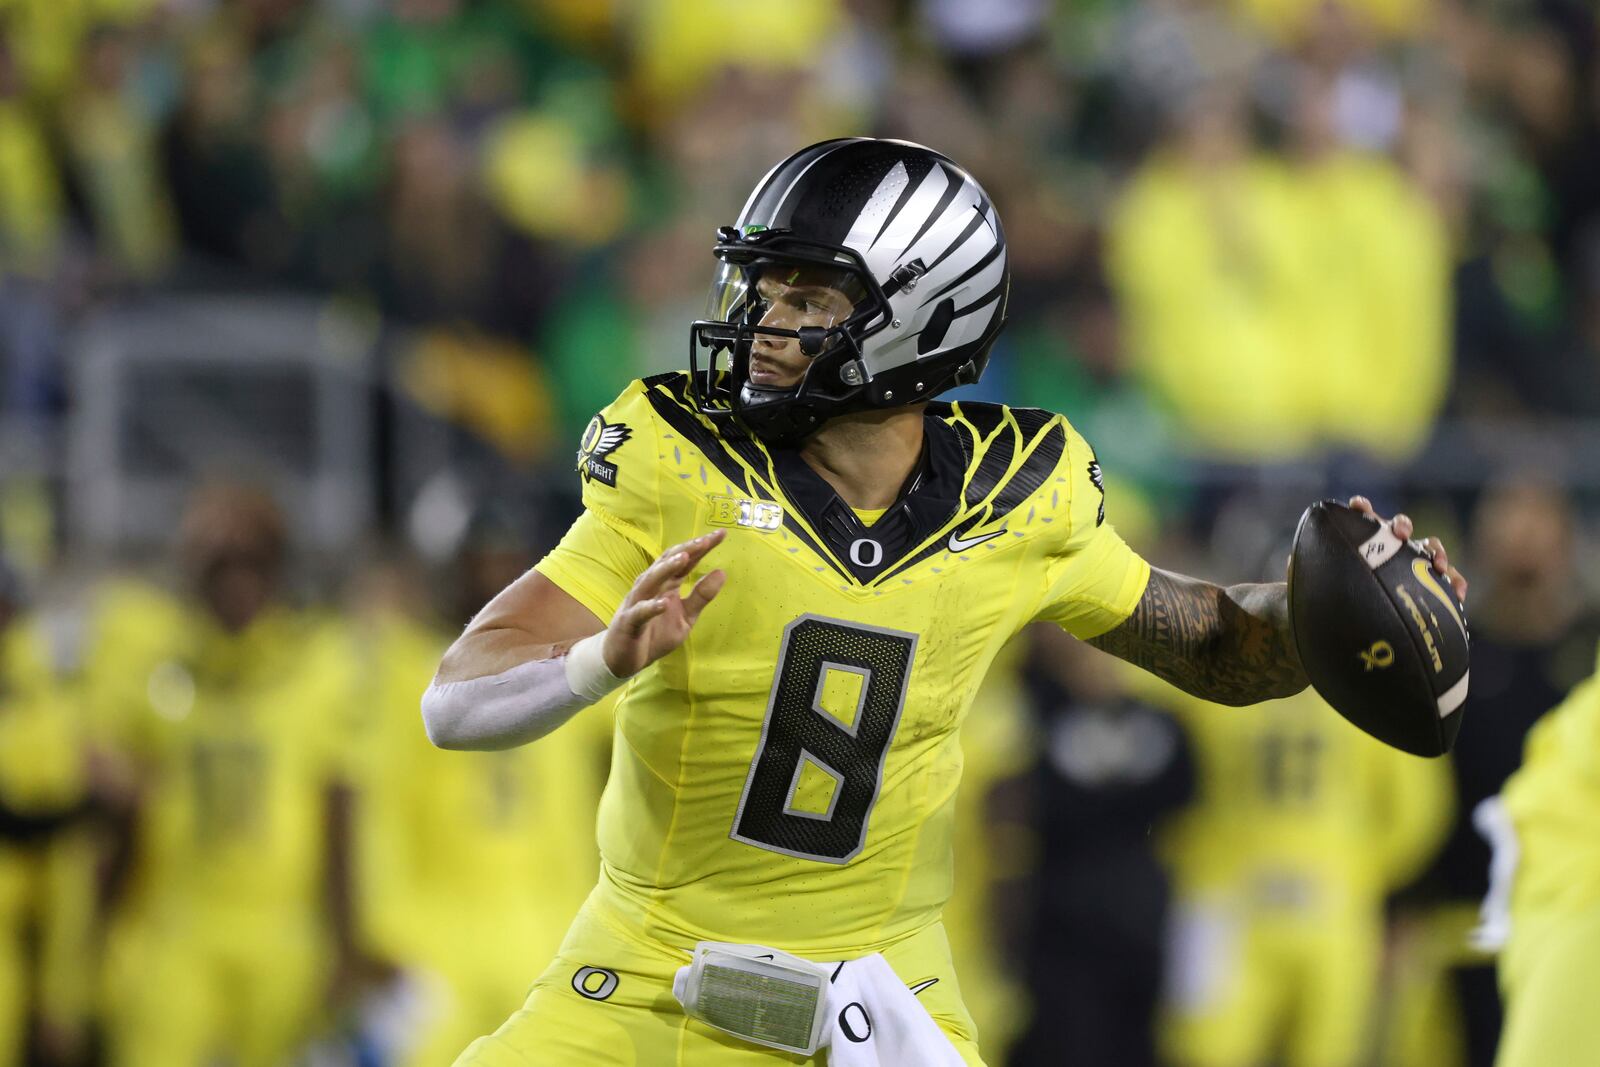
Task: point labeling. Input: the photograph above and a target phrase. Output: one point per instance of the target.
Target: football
(1379, 631)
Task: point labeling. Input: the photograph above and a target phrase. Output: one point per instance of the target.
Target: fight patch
(600, 439)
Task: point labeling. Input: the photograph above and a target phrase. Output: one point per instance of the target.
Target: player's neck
(867, 455)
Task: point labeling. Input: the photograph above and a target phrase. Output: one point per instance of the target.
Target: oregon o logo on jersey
(585, 984)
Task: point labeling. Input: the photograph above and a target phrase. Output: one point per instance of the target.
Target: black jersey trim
(996, 449)
(1000, 434)
(1044, 458)
(664, 393)
(740, 462)
(926, 502)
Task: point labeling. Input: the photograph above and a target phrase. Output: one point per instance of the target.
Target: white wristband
(587, 674)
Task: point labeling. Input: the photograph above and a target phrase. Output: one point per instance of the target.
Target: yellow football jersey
(787, 777)
(1554, 803)
(1289, 790)
(46, 885)
(239, 736)
(1547, 970)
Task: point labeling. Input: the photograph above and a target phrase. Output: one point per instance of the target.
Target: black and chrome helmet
(913, 241)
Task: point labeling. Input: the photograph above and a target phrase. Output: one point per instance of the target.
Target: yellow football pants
(607, 1001)
(246, 991)
(1295, 985)
(475, 963)
(1550, 976)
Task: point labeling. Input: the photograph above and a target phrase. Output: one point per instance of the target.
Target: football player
(230, 710)
(785, 765)
(1543, 909)
(1301, 828)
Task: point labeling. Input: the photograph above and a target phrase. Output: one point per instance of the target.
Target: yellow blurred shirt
(31, 211)
(45, 886)
(1277, 308)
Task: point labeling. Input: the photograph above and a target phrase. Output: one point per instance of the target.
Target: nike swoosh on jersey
(960, 544)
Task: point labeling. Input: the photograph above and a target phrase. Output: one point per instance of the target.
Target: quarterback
(785, 761)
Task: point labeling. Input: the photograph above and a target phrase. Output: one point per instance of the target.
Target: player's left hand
(1401, 524)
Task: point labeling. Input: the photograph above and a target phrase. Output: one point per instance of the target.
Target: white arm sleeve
(518, 705)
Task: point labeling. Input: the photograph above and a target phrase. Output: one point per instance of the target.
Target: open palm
(655, 617)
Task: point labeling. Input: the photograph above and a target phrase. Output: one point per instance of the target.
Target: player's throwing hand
(1404, 530)
(655, 618)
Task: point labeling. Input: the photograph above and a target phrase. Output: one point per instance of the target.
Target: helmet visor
(781, 294)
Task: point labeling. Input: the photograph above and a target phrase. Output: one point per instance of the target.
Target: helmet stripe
(953, 185)
(778, 206)
(986, 298)
(933, 182)
(765, 208)
(972, 228)
(987, 258)
(874, 216)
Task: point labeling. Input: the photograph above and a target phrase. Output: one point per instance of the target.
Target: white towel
(1493, 821)
(875, 1021)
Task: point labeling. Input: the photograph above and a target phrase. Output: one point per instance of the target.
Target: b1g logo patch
(600, 439)
(760, 515)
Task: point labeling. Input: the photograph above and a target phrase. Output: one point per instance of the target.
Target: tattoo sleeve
(1230, 645)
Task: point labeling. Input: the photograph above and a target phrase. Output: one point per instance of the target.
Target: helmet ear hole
(938, 325)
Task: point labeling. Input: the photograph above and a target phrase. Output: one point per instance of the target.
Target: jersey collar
(926, 502)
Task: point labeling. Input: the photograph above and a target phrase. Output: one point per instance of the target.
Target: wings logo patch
(600, 439)
(1099, 481)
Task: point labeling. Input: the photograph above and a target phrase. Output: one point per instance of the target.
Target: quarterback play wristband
(760, 994)
(587, 674)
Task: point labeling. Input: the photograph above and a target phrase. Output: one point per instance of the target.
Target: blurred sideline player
(1300, 828)
(1111, 770)
(232, 923)
(1550, 964)
(46, 853)
(1532, 642)
(472, 867)
(785, 765)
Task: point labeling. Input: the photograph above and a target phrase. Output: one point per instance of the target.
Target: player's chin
(767, 373)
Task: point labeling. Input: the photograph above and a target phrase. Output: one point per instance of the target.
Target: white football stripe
(1454, 696)
(877, 208)
(1380, 547)
(915, 213)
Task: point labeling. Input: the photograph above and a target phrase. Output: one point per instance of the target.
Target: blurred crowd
(1260, 227)
(1266, 244)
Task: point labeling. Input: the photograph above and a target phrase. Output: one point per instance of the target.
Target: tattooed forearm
(1229, 645)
